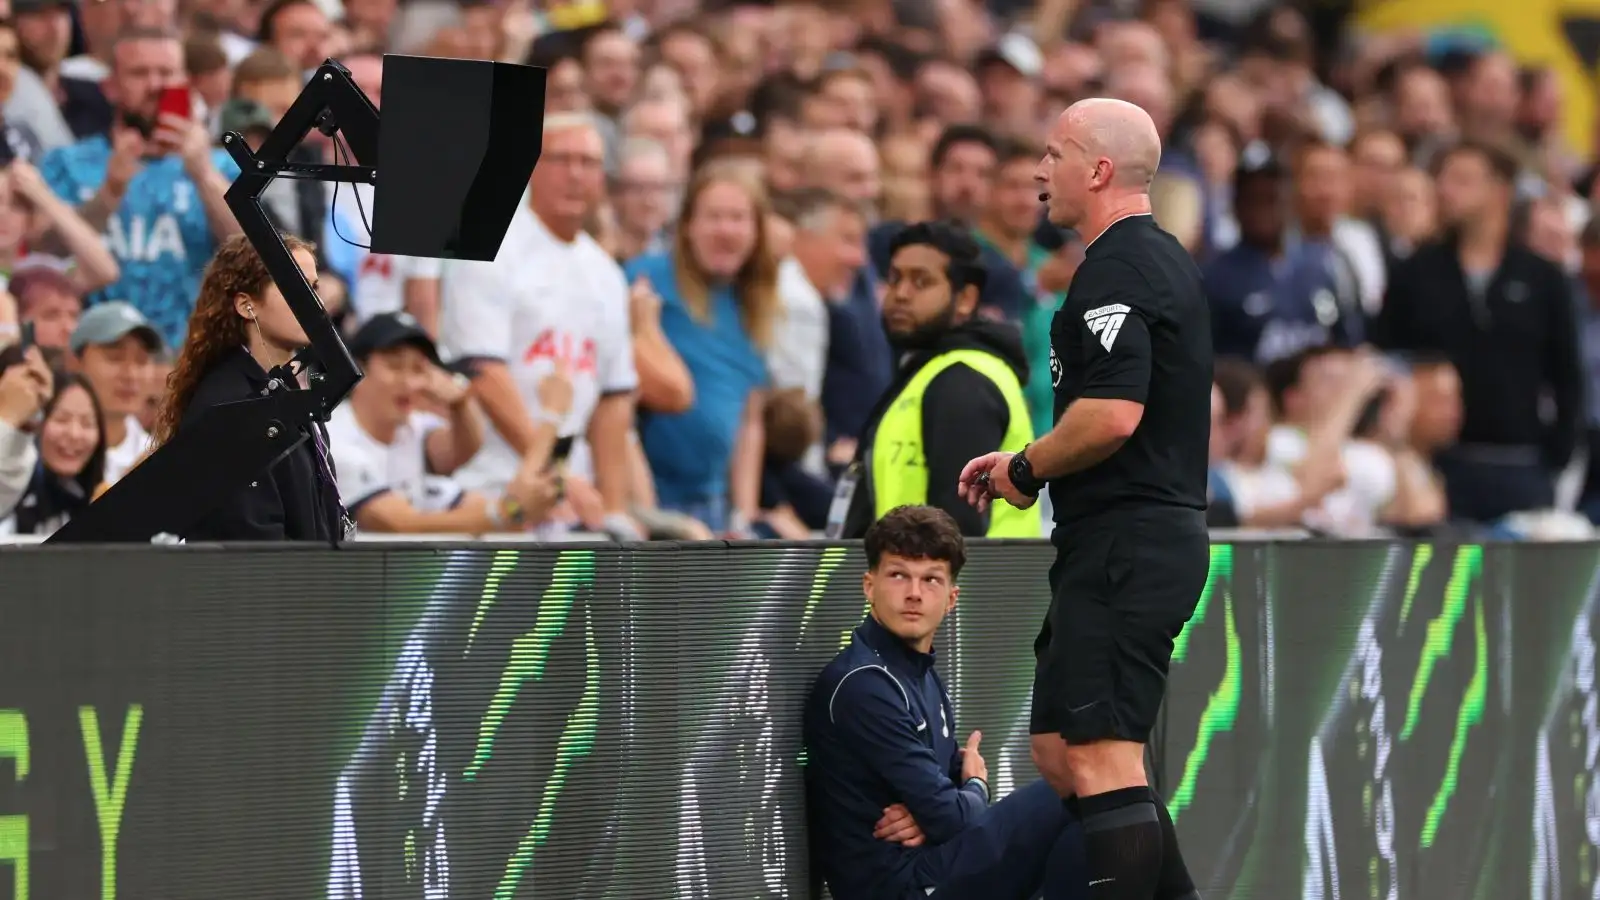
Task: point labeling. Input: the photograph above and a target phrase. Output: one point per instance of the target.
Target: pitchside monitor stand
(457, 142)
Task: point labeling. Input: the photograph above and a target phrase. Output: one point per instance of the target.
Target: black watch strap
(1021, 474)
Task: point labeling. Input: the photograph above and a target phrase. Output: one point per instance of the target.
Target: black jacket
(879, 730)
(1512, 345)
(964, 416)
(292, 501)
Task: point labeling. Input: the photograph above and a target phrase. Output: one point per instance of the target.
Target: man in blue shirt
(898, 809)
(1268, 300)
(154, 184)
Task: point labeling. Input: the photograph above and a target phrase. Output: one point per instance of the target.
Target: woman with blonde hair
(241, 344)
(719, 302)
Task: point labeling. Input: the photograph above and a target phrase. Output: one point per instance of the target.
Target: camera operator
(25, 387)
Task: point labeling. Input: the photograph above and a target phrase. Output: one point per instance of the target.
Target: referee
(1130, 360)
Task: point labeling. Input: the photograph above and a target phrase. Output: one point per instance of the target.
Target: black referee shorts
(1122, 587)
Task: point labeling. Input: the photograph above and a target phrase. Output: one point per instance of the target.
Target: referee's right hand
(988, 477)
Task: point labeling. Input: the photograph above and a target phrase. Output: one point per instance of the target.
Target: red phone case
(176, 102)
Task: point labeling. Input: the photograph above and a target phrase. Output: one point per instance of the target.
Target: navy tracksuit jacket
(878, 732)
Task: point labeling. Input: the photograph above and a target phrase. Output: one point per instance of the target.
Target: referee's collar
(1116, 222)
(891, 648)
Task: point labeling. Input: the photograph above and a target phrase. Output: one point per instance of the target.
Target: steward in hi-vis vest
(957, 394)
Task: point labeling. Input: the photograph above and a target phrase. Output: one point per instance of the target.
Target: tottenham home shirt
(381, 282)
(120, 459)
(541, 300)
(368, 468)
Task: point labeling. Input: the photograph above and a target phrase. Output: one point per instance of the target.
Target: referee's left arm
(1116, 376)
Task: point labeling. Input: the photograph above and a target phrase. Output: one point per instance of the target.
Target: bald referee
(1130, 359)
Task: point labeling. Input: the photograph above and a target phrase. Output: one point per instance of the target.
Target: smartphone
(176, 101)
(561, 451)
(26, 341)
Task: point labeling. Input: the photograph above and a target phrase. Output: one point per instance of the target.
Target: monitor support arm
(227, 448)
(330, 103)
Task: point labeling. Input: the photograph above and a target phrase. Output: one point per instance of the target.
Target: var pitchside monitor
(1371, 719)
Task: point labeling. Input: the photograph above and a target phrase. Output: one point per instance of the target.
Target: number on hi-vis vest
(146, 240)
(108, 779)
(906, 453)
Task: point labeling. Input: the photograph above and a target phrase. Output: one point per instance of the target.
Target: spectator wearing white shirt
(388, 284)
(394, 460)
(830, 236)
(1263, 493)
(115, 348)
(1351, 409)
(552, 301)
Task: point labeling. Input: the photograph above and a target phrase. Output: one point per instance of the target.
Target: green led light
(110, 794)
(1436, 646)
(504, 561)
(1470, 714)
(577, 740)
(530, 651)
(14, 829)
(1221, 567)
(1419, 564)
(831, 559)
(1222, 708)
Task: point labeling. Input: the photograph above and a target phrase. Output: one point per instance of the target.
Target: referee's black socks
(1132, 848)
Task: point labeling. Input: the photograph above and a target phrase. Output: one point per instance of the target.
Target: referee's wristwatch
(1021, 474)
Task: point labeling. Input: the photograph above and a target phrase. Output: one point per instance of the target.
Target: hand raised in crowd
(27, 182)
(1399, 409)
(187, 137)
(555, 392)
(644, 304)
(536, 492)
(127, 157)
(25, 388)
(972, 764)
(446, 389)
(1368, 375)
(586, 502)
(897, 825)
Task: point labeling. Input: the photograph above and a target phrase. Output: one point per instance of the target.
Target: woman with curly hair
(242, 341)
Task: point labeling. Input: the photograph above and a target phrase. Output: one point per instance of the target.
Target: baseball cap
(388, 330)
(110, 322)
(242, 115)
(19, 7)
(1018, 51)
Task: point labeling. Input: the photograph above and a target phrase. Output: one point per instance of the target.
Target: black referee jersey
(1135, 326)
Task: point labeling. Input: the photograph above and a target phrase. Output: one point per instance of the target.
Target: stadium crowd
(691, 312)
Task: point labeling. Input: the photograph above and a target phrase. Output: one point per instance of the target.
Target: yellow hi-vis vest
(899, 469)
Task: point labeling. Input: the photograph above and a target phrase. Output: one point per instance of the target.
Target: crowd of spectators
(682, 334)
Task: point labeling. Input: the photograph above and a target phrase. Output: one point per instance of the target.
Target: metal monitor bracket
(228, 447)
(330, 103)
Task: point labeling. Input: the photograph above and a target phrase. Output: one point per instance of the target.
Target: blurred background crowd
(1394, 228)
